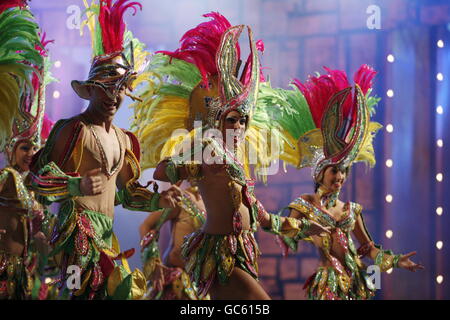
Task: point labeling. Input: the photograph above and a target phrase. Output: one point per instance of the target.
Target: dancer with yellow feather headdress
(196, 89)
(329, 131)
(24, 74)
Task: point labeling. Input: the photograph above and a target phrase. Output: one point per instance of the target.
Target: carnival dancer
(90, 165)
(199, 82)
(167, 279)
(331, 130)
(24, 74)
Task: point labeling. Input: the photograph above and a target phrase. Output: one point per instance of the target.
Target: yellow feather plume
(9, 105)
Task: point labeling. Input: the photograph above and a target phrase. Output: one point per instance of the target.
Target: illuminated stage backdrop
(408, 42)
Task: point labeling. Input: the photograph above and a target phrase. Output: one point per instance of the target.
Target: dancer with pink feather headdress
(201, 87)
(329, 131)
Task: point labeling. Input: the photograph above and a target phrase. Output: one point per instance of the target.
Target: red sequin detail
(81, 243)
(232, 243)
(237, 223)
(85, 224)
(249, 248)
(342, 239)
(97, 278)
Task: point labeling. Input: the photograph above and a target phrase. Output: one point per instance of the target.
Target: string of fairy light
(56, 94)
(439, 175)
(389, 163)
(439, 158)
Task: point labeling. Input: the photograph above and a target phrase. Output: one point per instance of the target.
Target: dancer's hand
(405, 263)
(158, 277)
(317, 229)
(92, 183)
(2, 231)
(42, 243)
(171, 197)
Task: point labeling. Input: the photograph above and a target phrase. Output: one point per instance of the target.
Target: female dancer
(335, 131)
(169, 280)
(24, 223)
(199, 82)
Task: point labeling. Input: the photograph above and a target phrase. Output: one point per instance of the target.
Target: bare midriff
(216, 194)
(11, 220)
(336, 250)
(104, 202)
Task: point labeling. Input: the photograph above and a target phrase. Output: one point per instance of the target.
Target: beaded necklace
(327, 199)
(105, 164)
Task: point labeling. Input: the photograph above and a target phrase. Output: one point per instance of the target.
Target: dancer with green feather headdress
(221, 133)
(330, 130)
(24, 74)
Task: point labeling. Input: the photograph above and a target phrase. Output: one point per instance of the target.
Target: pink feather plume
(112, 23)
(200, 44)
(247, 71)
(47, 126)
(319, 90)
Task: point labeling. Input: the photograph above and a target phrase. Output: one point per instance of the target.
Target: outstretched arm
(168, 171)
(151, 257)
(152, 219)
(292, 227)
(182, 166)
(385, 259)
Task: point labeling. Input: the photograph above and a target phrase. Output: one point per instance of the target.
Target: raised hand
(171, 197)
(405, 263)
(92, 183)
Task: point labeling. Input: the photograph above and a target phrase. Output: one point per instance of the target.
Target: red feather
(112, 23)
(363, 77)
(200, 44)
(47, 126)
(319, 90)
(6, 4)
(42, 48)
(247, 71)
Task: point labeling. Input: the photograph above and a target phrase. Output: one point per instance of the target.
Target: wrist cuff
(73, 186)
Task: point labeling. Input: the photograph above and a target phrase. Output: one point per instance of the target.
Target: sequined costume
(336, 278)
(177, 284)
(331, 127)
(193, 89)
(24, 74)
(83, 235)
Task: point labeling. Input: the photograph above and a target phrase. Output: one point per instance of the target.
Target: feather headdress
(331, 125)
(111, 67)
(198, 83)
(22, 69)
